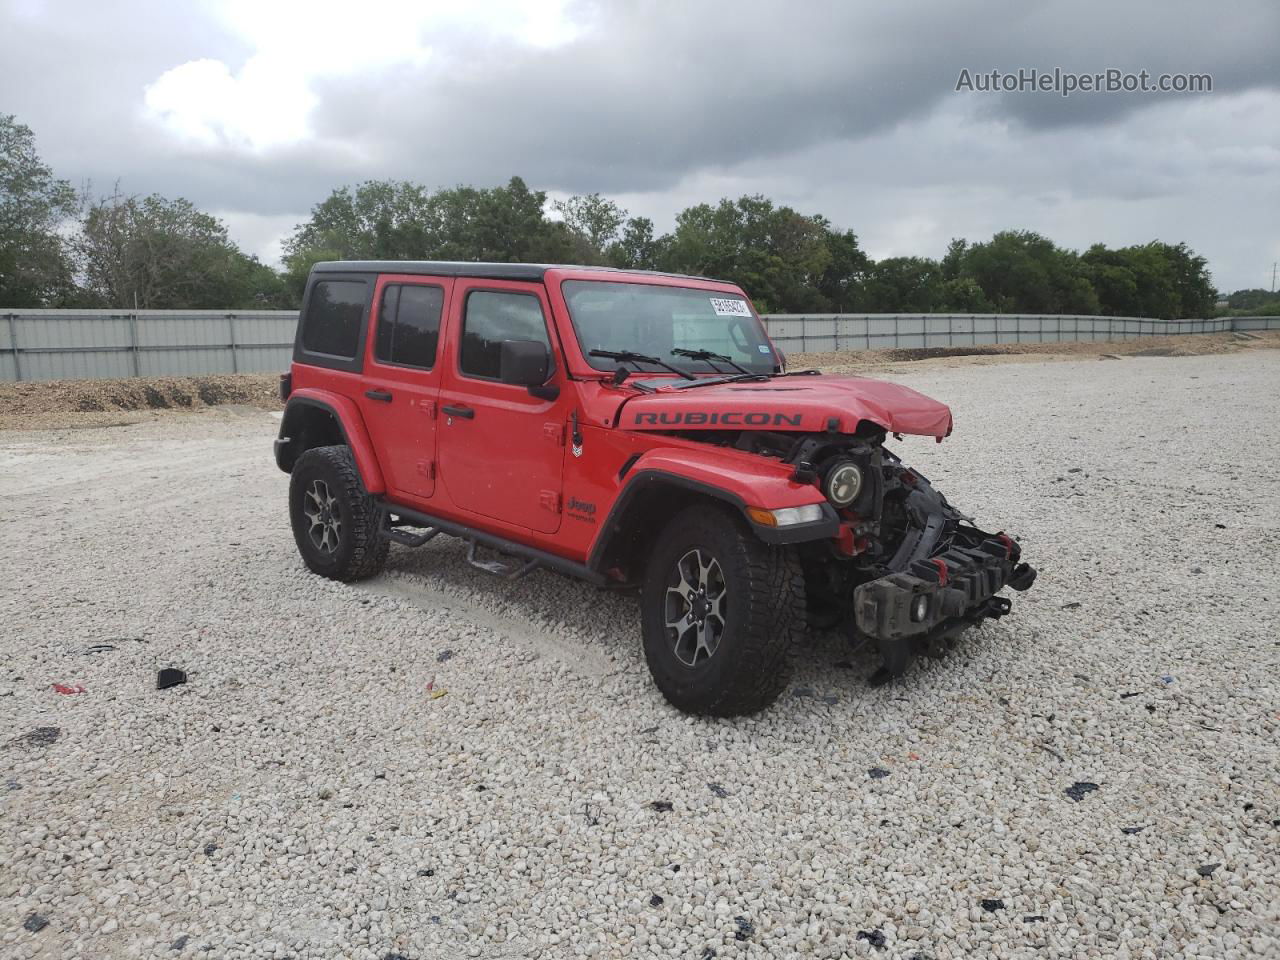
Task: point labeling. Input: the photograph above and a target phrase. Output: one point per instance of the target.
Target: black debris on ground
(656, 901)
(348, 870)
(1073, 605)
(39, 737)
(1078, 789)
(662, 806)
(718, 790)
(991, 906)
(170, 677)
(1126, 696)
(675, 868)
(1151, 708)
(210, 849)
(591, 814)
(35, 923)
(444, 655)
(745, 928)
(1248, 807)
(1035, 918)
(799, 692)
(874, 937)
(877, 773)
(1220, 526)
(1206, 869)
(708, 954)
(426, 872)
(180, 944)
(395, 956)
(100, 648)
(1132, 830)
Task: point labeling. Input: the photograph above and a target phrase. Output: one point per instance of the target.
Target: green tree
(1023, 272)
(846, 269)
(155, 253)
(35, 268)
(902, 285)
(594, 222)
(636, 247)
(775, 253)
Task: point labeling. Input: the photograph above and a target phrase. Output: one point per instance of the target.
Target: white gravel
(303, 795)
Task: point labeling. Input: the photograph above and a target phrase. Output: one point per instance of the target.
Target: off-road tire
(360, 551)
(764, 616)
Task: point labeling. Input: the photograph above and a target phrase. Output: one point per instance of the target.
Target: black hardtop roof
(487, 271)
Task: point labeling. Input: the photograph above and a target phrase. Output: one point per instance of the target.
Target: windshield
(658, 320)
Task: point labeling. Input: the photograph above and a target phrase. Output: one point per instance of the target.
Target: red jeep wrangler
(634, 430)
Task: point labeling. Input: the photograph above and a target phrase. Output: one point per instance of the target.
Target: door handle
(465, 412)
(383, 395)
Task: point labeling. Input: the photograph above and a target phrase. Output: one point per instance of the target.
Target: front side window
(409, 325)
(491, 317)
(335, 312)
(659, 320)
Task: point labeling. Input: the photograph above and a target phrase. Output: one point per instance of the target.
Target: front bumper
(914, 611)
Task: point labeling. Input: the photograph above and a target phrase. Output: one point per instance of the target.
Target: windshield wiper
(707, 357)
(627, 356)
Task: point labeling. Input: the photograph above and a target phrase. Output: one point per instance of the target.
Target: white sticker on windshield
(725, 307)
(762, 348)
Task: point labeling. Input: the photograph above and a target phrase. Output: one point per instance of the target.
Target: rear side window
(492, 317)
(335, 311)
(409, 325)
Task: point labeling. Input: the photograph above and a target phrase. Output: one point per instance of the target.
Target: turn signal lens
(786, 516)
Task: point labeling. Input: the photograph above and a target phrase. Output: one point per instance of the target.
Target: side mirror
(524, 363)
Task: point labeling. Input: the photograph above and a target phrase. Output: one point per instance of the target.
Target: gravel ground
(438, 764)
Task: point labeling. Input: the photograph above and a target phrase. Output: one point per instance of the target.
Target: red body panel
(513, 468)
(348, 415)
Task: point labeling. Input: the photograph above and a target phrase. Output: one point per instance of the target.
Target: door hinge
(554, 432)
(550, 500)
(427, 468)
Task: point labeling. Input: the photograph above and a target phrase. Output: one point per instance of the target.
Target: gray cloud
(818, 103)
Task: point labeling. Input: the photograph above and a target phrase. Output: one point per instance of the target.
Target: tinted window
(409, 325)
(333, 318)
(491, 318)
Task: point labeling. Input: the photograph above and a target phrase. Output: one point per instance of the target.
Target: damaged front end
(906, 572)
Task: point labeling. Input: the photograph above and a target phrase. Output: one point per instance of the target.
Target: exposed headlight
(843, 484)
(786, 516)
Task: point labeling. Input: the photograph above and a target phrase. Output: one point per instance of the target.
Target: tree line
(63, 248)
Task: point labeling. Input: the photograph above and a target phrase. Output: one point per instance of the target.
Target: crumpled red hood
(801, 403)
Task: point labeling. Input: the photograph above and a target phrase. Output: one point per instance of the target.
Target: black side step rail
(432, 526)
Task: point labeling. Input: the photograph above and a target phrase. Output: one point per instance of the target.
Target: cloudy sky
(256, 109)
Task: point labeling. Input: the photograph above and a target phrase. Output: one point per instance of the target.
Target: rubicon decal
(581, 509)
(732, 418)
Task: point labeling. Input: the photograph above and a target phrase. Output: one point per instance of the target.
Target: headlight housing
(843, 483)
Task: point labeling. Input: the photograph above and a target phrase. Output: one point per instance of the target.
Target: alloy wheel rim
(694, 607)
(320, 507)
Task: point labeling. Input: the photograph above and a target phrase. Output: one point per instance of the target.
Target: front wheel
(722, 613)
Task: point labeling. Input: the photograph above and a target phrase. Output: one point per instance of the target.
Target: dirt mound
(138, 393)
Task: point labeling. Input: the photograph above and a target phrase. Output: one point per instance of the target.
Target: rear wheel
(335, 522)
(721, 613)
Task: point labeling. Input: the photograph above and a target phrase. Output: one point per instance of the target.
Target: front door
(501, 447)
(402, 380)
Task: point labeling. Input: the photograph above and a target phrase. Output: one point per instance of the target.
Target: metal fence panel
(60, 344)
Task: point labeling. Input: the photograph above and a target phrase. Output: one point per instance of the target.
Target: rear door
(501, 448)
(402, 380)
